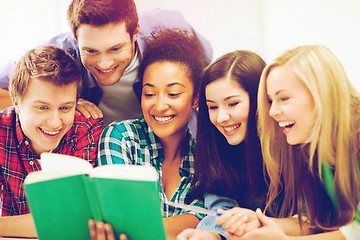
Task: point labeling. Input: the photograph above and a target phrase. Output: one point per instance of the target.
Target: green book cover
(60, 208)
(62, 200)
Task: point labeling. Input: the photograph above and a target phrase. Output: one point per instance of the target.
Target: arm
(197, 234)
(18, 226)
(214, 202)
(175, 224)
(281, 229)
(114, 148)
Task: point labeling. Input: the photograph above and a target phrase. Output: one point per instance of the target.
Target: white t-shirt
(119, 101)
(351, 231)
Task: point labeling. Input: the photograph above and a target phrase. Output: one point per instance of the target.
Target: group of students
(277, 146)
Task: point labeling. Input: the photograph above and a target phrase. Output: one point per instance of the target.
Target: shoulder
(157, 14)
(153, 19)
(65, 41)
(125, 129)
(82, 125)
(7, 117)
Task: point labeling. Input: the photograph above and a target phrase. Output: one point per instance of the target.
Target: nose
(105, 61)
(161, 104)
(222, 116)
(54, 120)
(274, 110)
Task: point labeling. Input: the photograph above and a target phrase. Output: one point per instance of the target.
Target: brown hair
(176, 46)
(102, 12)
(48, 63)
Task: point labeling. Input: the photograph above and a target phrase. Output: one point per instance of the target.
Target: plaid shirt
(133, 142)
(18, 159)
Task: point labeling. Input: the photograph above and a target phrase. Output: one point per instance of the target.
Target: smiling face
(292, 104)
(46, 113)
(167, 98)
(106, 51)
(228, 106)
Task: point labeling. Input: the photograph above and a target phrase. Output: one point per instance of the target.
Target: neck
(173, 147)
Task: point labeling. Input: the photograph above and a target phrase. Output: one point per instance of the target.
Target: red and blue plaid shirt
(18, 159)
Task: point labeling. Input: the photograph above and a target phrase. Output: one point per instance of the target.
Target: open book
(68, 191)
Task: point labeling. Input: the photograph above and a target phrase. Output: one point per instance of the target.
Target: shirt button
(26, 142)
(31, 163)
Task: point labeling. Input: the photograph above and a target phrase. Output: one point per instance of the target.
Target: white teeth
(286, 123)
(162, 119)
(50, 133)
(107, 71)
(232, 128)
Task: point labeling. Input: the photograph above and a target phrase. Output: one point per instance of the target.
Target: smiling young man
(44, 88)
(108, 38)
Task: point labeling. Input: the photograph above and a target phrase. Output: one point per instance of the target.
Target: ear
(195, 101)
(15, 104)
(136, 32)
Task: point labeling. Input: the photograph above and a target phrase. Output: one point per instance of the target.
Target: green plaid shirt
(133, 142)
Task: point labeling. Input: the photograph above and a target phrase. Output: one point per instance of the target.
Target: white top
(122, 93)
(351, 231)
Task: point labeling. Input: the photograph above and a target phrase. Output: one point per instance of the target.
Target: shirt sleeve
(88, 137)
(1, 194)
(114, 148)
(214, 202)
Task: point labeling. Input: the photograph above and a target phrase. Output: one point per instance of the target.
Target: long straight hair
(334, 141)
(221, 168)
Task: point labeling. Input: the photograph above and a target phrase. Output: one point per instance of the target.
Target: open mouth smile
(229, 129)
(286, 125)
(163, 119)
(107, 71)
(50, 133)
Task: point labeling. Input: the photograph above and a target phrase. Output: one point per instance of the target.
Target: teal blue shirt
(133, 142)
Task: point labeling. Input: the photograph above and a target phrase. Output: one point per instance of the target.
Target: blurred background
(266, 27)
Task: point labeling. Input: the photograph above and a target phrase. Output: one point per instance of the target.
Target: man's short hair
(98, 13)
(48, 63)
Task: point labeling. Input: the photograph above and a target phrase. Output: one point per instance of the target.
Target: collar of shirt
(154, 145)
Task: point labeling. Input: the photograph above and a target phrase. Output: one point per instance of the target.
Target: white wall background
(266, 27)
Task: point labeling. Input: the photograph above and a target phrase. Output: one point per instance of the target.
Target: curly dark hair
(175, 46)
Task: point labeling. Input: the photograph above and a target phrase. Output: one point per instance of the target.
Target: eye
(90, 51)
(284, 98)
(149, 94)
(212, 107)
(42, 107)
(115, 49)
(65, 108)
(174, 94)
(233, 104)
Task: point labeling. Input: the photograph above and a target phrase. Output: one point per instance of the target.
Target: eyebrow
(46, 103)
(227, 98)
(169, 85)
(115, 46)
(279, 91)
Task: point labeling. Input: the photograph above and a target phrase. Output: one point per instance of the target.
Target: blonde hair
(334, 139)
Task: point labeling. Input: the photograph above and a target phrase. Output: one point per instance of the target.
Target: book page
(55, 161)
(127, 172)
(55, 166)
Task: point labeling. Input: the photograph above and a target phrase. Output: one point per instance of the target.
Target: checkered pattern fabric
(133, 142)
